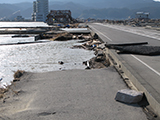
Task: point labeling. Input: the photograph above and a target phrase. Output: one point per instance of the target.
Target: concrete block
(129, 96)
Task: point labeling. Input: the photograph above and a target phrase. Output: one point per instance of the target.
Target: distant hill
(119, 13)
(10, 11)
(108, 9)
(113, 3)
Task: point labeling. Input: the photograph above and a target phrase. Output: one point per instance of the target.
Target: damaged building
(142, 15)
(59, 16)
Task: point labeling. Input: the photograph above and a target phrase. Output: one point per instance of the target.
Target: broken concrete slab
(129, 96)
(139, 49)
(125, 44)
(135, 48)
(77, 30)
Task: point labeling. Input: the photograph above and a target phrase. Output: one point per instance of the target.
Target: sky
(15, 1)
(18, 1)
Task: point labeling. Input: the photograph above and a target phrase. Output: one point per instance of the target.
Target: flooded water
(39, 57)
(23, 24)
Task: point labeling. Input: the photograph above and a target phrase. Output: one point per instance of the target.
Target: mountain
(109, 9)
(114, 3)
(119, 13)
(107, 13)
(10, 11)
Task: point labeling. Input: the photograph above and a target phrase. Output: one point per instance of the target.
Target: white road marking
(146, 65)
(132, 31)
(101, 33)
(133, 55)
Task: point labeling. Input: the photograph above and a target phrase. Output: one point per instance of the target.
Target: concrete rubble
(93, 43)
(147, 23)
(129, 96)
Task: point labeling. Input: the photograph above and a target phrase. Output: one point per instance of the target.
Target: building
(59, 16)
(40, 10)
(142, 15)
(19, 18)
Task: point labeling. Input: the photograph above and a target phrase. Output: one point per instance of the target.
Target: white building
(40, 10)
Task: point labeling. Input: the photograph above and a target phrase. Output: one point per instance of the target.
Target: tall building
(40, 10)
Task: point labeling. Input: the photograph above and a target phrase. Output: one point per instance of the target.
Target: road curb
(130, 77)
(130, 74)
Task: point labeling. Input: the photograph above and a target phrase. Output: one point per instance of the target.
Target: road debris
(61, 62)
(129, 96)
(17, 75)
(93, 43)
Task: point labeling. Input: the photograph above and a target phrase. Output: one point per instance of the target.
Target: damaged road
(142, 69)
(68, 95)
(72, 94)
(135, 48)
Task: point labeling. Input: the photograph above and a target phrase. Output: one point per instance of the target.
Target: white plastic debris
(129, 96)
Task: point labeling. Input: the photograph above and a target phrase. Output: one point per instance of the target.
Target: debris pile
(153, 23)
(93, 43)
(100, 61)
(63, 37)
(3, 91)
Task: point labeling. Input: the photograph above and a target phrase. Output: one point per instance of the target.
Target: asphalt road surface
(69, 95)
(146, 67)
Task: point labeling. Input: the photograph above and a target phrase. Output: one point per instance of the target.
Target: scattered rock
(17, 75)
(99, 53)
(64, 38)
(101, 46)
(93, 43)
(80, 36)
(74, 37)
(129, 96)
(95, 36)
(87, 68)
(46, 113)
(85, 63)
(16, 79)
(61, 62)
(3, 91)
(89, 45)
(99, 58)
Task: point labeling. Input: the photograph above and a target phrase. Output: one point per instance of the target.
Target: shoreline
(85, 40)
